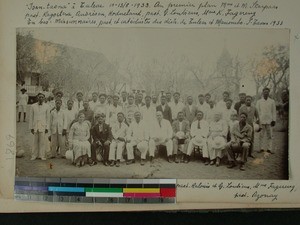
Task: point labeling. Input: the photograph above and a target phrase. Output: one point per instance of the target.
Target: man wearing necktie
(199, 133)
(181, 130)
(119, 133)
(161, 134)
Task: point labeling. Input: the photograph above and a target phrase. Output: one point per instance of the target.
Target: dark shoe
(212, 162)
(151, 160)
(231, 165)
(182, 158)
(170, 159)
(112, 163)
(93, 163)
(242, 167)
(18, 121)
(217, 162)
(269, 151)
(176, 159)
(130, 162)
(142, 162)
(106, 163)
(118, 163)
(206, 162)
(260, 151)
(251, 156)
(187, 159)
(24, 121)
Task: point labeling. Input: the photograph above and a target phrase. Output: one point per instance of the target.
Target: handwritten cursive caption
(182, 13)
(268, 191)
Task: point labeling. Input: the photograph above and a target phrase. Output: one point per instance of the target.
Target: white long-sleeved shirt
(93, 105)
(204, 108)
(39, 117)
(218, 128)
(70, 117)
(77, 106)
(162, 132)
(175, 108)
(203, 131)
(112, 115)
(118, 131)
(148, 114)
(138, 132)
(226, 113)
(266, 110)
(58, 121)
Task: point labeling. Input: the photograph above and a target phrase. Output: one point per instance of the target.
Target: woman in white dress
(218, 129)
(78, 138)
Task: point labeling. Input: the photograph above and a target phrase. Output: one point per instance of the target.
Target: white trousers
(266, 131)
(153, 144)
(204, 148)
(214, 153)
(116, 149)
(142, 146)
(58, 140)
(38, 148)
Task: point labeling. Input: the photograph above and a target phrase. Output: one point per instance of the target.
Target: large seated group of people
(113, 128)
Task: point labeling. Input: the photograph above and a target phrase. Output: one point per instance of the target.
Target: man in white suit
(138, 136)
(199, 134)
(58, 129)
(267, 113)
(161, 134)
(119, 131)
(39, 125)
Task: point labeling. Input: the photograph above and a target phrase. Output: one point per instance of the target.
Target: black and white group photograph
(152, 103)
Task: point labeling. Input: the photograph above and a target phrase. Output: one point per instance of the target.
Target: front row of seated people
(109, 143)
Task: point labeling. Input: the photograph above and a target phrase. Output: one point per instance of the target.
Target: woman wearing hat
(217, 139)
(22, 104)
(78, 138)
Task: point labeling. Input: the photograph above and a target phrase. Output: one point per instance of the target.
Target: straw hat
(255, 127)
(180, 134)
(70, 155)
(199, 140)
(20, 153)
(219, 143)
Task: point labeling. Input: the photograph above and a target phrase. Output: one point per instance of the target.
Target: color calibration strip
(89, 190)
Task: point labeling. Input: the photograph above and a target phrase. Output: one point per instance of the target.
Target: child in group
(22, 104)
